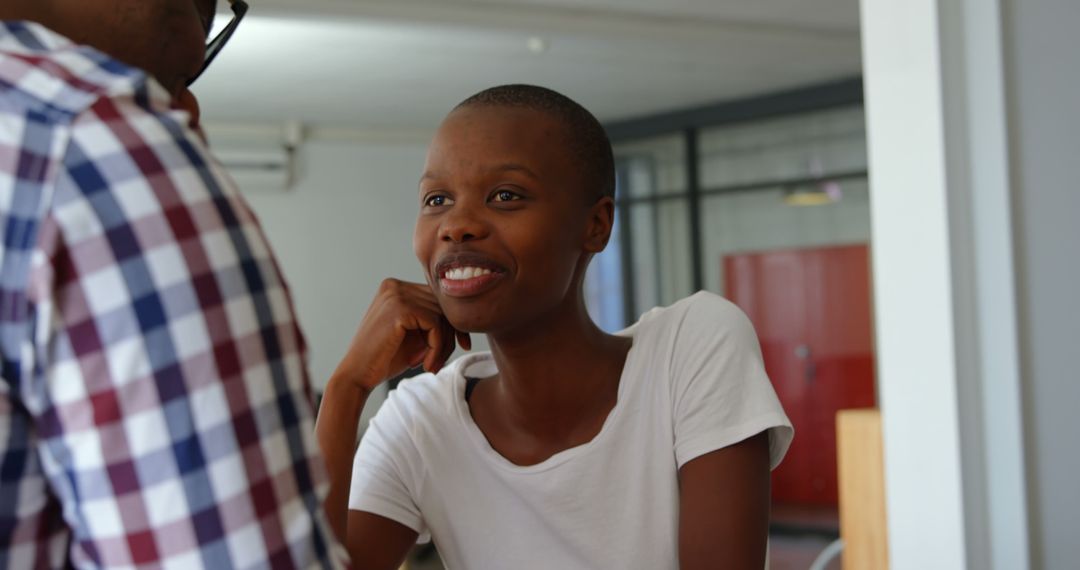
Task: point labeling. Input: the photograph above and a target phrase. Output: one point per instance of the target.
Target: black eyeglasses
(239, 8)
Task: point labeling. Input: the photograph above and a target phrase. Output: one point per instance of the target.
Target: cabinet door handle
(803, 352)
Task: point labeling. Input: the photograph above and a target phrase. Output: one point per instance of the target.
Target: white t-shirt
(693, 383)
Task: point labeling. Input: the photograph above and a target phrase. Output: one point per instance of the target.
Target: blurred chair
(834, 549)
(861, 475)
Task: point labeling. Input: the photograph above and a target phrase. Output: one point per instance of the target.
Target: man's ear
(601, 220)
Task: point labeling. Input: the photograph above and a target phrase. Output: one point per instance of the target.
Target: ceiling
(401, 64)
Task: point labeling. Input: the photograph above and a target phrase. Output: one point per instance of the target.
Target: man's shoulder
(54, 78)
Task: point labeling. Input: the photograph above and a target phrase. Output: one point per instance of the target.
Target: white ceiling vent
(260, 159)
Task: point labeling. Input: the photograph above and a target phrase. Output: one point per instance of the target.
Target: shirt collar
(21, 36)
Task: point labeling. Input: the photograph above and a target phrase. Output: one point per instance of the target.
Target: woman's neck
(557, 369)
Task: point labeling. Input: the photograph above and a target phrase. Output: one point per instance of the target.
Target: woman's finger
(464, 340)
(423, 289)
(423, 300)
(434, 347)
(448, 343)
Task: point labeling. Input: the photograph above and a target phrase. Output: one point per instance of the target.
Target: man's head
(165, 38)
(516, 197)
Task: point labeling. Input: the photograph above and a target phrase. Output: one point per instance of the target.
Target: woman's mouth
(468, 280)
(465, 273)
(468, 273)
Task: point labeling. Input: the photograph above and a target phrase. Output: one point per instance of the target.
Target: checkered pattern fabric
(154, 405)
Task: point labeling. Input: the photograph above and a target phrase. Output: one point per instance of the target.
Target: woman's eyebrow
(505, 167)
(514, 167)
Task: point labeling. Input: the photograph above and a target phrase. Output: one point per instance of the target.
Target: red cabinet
(812, 312)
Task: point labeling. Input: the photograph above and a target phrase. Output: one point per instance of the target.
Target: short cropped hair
(586, 136)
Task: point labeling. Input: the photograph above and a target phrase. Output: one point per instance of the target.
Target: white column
(944, 284)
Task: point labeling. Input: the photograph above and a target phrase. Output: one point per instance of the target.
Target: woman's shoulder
(702, 312)
(429, 399)
(701, 328)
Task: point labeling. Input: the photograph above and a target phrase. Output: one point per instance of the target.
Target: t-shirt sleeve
(387, 470)
(720, 392)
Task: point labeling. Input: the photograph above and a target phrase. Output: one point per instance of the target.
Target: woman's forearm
(336, 428)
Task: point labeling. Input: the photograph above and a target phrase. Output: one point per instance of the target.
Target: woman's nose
(462, 226)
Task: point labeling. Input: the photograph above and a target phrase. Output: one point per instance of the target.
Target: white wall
(339, 233)
(1044, 96)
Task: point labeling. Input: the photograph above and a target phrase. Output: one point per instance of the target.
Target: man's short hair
(586, 136)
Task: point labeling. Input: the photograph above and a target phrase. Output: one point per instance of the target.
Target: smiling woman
(524, 457)
(527, 220)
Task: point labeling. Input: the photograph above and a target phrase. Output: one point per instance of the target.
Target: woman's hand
(403, 327)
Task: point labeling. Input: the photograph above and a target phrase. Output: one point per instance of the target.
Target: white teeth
(462, 273)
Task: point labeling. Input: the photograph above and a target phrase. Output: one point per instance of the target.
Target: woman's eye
(436, 200)
(505, 196)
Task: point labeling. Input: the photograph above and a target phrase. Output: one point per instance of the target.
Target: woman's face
(503, 218)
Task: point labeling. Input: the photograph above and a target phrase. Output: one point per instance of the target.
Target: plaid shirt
(154, 405)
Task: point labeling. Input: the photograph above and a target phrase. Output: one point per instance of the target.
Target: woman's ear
(601, 220)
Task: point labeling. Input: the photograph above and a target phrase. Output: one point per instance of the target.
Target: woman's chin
(471, 326)
(468, 321)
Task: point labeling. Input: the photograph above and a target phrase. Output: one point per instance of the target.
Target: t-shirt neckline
(476, 435)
